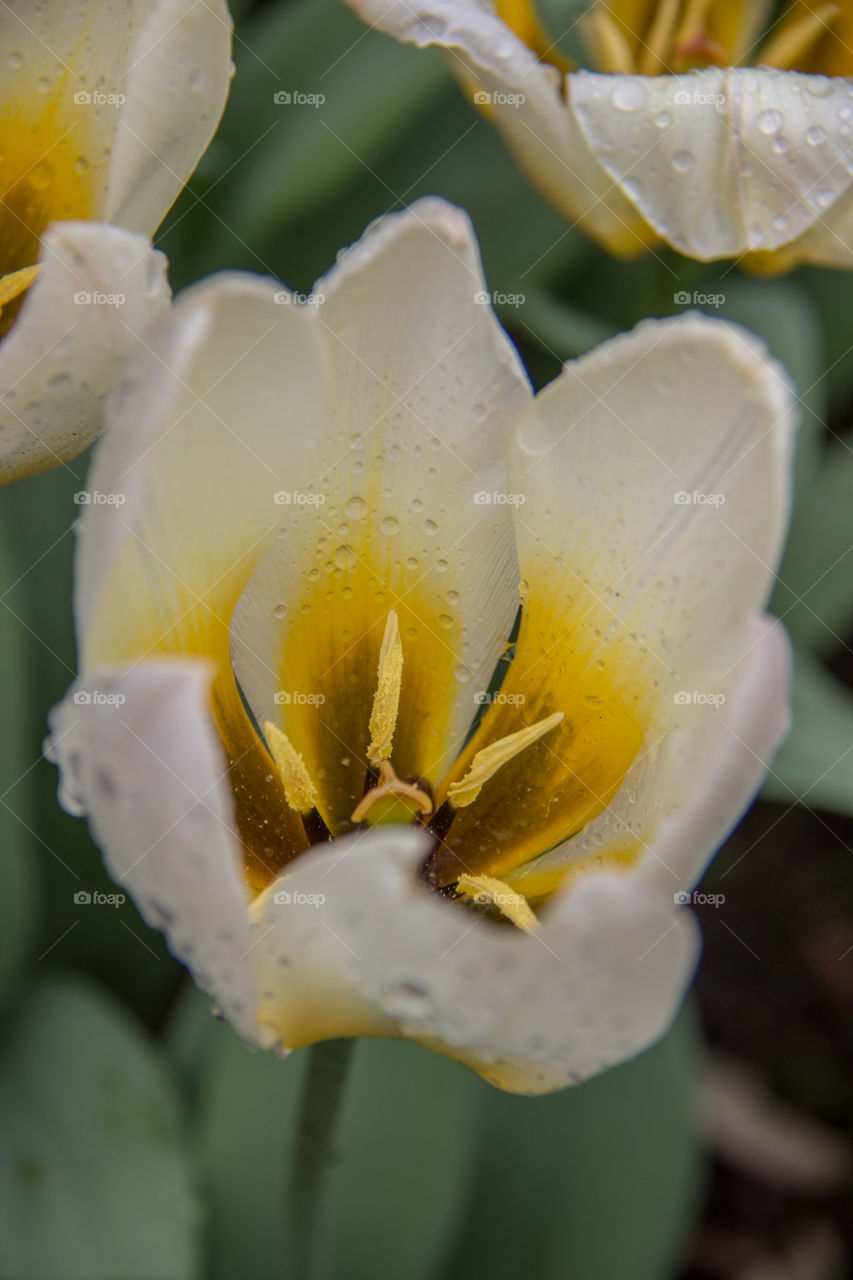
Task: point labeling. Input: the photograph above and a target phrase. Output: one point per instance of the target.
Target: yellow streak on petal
(386, 700)
(792, 44)
(299, 790)
(489, 891)
(487, 761)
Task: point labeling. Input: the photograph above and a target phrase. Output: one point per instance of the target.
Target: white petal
(356, 946)
(138, 753)
(523, 98)
(425, 389)
(176, 82)
(721, 162)
(99, 289)
(213, 417)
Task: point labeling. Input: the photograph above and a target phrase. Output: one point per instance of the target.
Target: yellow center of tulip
(673, 36)
(45, 176)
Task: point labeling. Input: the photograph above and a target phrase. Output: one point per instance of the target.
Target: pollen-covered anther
(487, 762)
(299, 790)
(389, 786)
(386, 700)
(488, 891)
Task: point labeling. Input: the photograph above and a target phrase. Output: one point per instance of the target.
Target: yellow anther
(487, 891)
(521, 16)
(299, 790)
(390, 785)
(386, 700)
(15, 283)
(610, 50)
(487, 762)
(790, 46)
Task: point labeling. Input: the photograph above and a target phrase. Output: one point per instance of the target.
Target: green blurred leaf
(405, 1145)
(17, 868)
(598, 1182)
(815, 763)
(94, 1181)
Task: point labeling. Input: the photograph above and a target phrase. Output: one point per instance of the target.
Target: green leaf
(598, 1182)
(17, 870)
(815, 764)
(94, 1181)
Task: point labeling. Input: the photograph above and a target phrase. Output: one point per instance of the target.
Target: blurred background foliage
(140, 1140)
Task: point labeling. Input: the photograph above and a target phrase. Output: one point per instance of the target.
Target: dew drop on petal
(770, 121)
(629, 95)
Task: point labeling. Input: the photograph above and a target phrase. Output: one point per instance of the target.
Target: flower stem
(314, 1153)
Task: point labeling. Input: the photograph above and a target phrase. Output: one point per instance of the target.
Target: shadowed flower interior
(673, 36)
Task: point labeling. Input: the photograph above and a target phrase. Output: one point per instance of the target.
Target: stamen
(652, 58)
(487, 762)
(491, 892)
(789, 47)
(522, 17)
(390, 785)
(15, 283)
(299, 790)
(611, 51)
(386, 700)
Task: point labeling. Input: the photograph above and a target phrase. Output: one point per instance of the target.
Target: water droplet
(390, 525)
(629, 95)
(14, 60)
(430, 527)
(445, 620)
(780, 145)
(452, 597)
(407, 1000)
(441, 566)
(462, 674)
(279, 611)
(816, 135)
(356, 508)
(770, 121)
(825, 198)
(81, 166)
(411, 562)
(664, 119)
(682, 161)
(344, 557)
(40, 177)
(43, 84)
